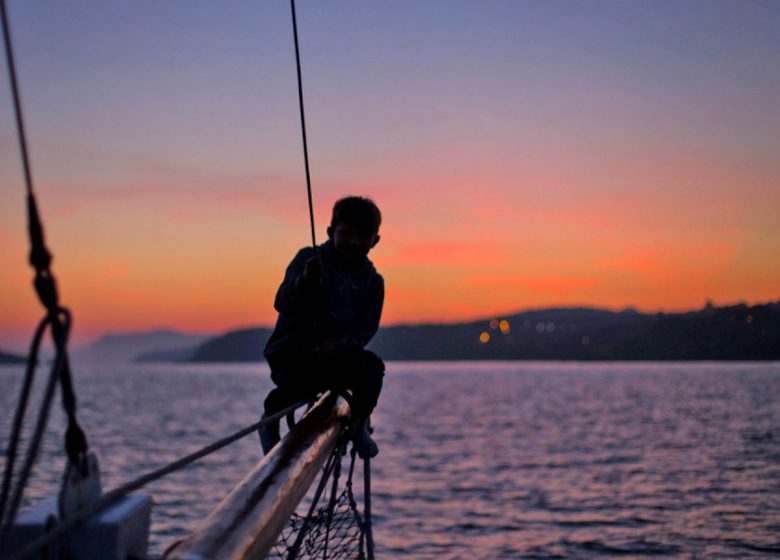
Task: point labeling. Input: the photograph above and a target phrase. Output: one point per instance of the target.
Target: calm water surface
(478, 460)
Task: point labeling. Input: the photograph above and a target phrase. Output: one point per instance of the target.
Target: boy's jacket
(343, 310)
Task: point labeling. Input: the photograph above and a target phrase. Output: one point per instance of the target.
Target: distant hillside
(128, 347)
(727, 333)
(713, 333)
(11, 358)
(179, 354)
(245, 345)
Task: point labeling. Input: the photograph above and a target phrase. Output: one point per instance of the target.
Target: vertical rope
(332, 502)
(58, 318)
(303, 123)
(326, 472)
(367, 508)
(16, 431)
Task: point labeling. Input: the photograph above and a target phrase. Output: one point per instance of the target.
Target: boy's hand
(312, 270)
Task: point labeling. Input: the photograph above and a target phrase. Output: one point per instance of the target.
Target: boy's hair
(358, 211)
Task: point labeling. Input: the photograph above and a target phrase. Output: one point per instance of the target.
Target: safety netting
(330, 527)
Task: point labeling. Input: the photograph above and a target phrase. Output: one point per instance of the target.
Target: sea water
(477, 459)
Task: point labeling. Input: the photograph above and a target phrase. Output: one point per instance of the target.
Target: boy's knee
(372, 364)
(372, 372)
(274, 402)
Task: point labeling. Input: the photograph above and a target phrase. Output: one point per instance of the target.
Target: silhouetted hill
(245, 345)
(129, 346)
(737, 332)
(11, 358)
(179, 354)
(728, 333)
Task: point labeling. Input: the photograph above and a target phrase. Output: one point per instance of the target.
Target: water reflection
(478, 460)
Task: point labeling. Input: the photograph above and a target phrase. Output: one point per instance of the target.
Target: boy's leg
(361, 372)
(294, 382)
(269, 431)
(363, 375)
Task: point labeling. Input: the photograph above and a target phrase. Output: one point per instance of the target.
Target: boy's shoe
(364, 444)
(269, 435)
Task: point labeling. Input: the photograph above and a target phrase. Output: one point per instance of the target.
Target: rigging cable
(333, 464)
(303, 124)
(368, 522)
(16, 430)
(57, 318)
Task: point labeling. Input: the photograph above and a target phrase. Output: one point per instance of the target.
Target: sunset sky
(524, 154)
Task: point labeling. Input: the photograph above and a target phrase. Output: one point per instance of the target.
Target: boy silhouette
(329, 305)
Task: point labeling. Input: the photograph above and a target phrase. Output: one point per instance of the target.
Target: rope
(303, 123)
(40, 257)
(110, 497)
(332, 503)
(32, 451)
(368, 528)
(11, 507)
(57, 317)
(333, 461)
(9, 52)
(21, 409)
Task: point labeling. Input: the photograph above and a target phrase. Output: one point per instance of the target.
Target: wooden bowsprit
(249, 520)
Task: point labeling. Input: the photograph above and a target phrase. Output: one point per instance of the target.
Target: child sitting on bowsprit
(329, 305)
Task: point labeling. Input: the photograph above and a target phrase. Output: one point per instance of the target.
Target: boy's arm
(293, 295)
(367, 323)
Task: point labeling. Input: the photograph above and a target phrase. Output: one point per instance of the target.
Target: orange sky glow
(555, 165)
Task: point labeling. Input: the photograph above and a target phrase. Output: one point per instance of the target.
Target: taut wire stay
(303, 124)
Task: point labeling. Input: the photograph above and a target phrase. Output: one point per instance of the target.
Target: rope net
(335, 529)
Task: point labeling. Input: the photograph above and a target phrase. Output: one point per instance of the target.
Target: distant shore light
(504, 325)
(494, 324)
(484, 337)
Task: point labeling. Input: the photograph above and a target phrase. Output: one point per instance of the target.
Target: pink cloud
(470, 254)
(558, 286)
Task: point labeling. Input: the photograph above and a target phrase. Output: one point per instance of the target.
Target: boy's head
(354, 227)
